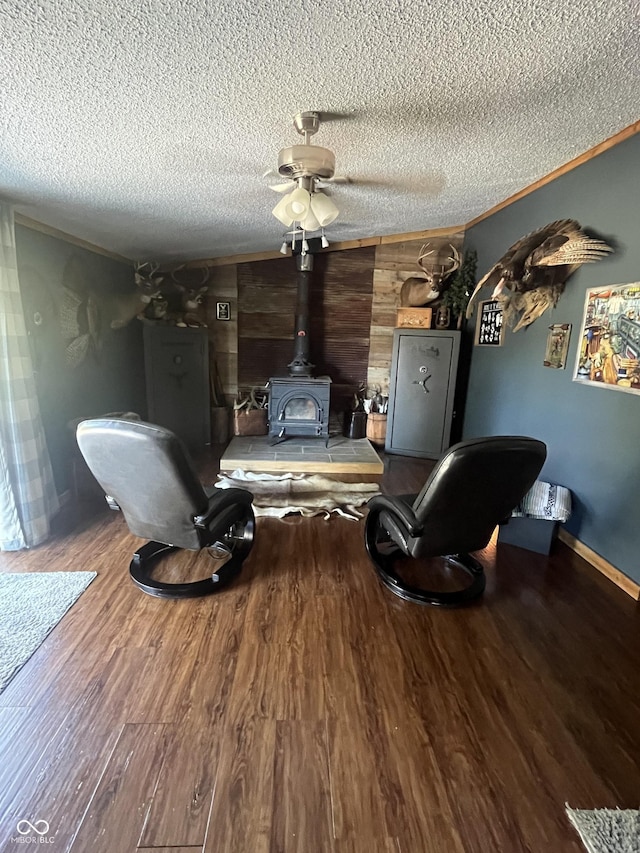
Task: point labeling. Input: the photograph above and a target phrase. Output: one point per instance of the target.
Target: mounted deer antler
(134, 303)
(146, 279)
(192, 296)
(420, 291)
(188, 281)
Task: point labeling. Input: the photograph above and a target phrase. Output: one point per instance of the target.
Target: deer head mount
(191, 292)
(146, 277)
(135, 302)
(171, 298)
(420, 290)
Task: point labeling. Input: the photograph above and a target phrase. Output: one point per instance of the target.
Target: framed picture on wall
(489, 325)
(223, 311)
(609, 351)
(555, 354)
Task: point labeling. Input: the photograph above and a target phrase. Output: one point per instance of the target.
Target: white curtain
(28, 498)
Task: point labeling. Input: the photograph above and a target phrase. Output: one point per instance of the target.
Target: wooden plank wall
(223, 334)
(393, 263)
(354, 297)
(340, 302)
(267, 302)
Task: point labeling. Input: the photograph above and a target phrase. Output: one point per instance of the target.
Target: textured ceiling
(145, 127)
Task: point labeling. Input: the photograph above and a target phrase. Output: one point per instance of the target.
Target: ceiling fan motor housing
(300, 161)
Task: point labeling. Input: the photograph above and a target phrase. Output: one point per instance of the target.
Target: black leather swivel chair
(146, 472)
(475, 486)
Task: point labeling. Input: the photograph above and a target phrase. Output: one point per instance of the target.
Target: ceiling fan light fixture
(310, 223)
(323, 209)
(305, 209)
(298, 203)
(281, 211)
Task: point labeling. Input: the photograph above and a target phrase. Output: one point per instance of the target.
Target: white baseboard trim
(619, 578)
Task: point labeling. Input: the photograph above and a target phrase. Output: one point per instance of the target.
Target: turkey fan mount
(532, 275)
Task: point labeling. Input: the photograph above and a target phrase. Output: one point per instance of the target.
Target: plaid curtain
(28, 498)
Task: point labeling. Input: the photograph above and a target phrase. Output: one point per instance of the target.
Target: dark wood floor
(307, 709)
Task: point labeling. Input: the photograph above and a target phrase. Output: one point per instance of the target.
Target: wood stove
(299, 403)
(299, 406)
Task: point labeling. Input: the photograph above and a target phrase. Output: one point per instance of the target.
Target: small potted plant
(461, 286)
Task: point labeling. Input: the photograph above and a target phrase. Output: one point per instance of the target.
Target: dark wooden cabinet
(177, 376)
(422, 385)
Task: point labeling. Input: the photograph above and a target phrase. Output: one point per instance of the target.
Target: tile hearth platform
(341, 457)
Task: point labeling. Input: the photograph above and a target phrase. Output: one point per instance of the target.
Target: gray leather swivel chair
(475, 486)
(146, 472)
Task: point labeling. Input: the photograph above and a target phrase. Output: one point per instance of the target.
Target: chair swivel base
(146, 558)
(384, 564)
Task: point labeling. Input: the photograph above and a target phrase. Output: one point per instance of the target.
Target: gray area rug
(607, 830)
(278, 495)
(31, 605)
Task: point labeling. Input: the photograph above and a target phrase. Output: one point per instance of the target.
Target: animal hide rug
(278, 495)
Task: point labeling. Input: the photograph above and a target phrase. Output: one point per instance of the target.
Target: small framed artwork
(489, 326)
(223, 311)
(413, 318)
(557, 345)
(609, 350)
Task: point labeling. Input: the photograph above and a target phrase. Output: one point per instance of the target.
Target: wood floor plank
(118, 810)
(179, 813)
(279, 673)
(367, 842)
(58, 785)
(357, 820)
(302, 789)
(11, 720)
(25, 738)
(242, 811)
(516, 797)
(124, 690)
(182, 801)
(573, 669)
(169, 849)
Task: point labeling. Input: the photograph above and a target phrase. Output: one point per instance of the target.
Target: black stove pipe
(301, 366)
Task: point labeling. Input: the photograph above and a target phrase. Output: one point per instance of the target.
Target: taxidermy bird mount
(531, 276)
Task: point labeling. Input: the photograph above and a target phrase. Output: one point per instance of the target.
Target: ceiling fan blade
(270, 173)
(329, 116)
(280, 188)
(339, 179)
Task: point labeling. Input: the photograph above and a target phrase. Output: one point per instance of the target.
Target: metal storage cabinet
(424, 367)
(177, 374)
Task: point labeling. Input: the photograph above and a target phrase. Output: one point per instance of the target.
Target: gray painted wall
(106, 381)
(592, 433)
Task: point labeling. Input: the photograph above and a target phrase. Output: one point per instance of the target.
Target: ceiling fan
(306, 160)
(305, 208)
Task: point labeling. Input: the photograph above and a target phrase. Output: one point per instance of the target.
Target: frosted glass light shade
(310, 223)
(298, 203)
(323, 209)
(280, 211)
